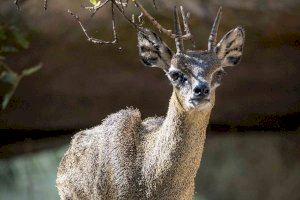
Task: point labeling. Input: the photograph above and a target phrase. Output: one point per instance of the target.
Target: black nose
(201, 90)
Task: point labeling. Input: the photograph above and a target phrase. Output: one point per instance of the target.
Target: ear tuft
(153, 51)
(230, 49)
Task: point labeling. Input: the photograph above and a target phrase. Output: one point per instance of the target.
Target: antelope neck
(182, 123)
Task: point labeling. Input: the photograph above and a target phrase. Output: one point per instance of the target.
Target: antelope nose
(201, 90)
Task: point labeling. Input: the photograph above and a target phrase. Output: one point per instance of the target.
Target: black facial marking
(156, 36)
(152, 60)
(148, 61)
(227, 52)
(169, 51)
(144, 49)
(145, 61)
(239, 48)
(156, 47)
(143, 35)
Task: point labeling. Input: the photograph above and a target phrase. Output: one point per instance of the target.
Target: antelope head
(194, 74)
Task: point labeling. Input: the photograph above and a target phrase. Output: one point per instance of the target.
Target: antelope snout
(201, 91)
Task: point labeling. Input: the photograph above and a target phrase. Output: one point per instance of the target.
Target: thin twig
(140, 18)
(120, 5)
(94, 9)
(155, 23)
(95, 40)
(136, 26)
(115, 35)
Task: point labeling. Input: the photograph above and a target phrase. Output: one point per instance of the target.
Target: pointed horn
(212, 40)
(178, 33)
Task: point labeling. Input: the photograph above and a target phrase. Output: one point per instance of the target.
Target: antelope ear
(153, 51)
(230, 49)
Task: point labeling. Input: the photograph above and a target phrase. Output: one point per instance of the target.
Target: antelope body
(156, 158)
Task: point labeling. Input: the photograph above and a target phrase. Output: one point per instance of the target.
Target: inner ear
(153, 51)
(230, 49)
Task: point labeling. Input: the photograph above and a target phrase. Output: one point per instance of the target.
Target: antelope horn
(212, 40)
(178, 33)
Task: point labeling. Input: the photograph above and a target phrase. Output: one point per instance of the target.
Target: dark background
(252, 150)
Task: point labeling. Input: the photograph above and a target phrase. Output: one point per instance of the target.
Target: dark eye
(178, 77)
(175, 75)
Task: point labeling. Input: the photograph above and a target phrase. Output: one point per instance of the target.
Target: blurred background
(253, 140)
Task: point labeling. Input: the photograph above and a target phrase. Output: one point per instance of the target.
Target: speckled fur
(100, 162)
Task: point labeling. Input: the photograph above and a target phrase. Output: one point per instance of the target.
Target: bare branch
(155, 23)
(116, 3)
(95, 40)
(120, 5)
(140, 18)
(136, 26)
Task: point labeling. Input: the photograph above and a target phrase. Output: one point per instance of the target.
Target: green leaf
(31, 70)
(6, 99)
(95, 2)
(9, 77)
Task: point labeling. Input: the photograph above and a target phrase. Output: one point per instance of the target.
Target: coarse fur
(157, 158)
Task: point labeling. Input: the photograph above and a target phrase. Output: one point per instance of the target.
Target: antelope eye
(175, 75)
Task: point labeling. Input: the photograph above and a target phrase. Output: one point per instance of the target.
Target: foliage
(95, 2)
(12, 40)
